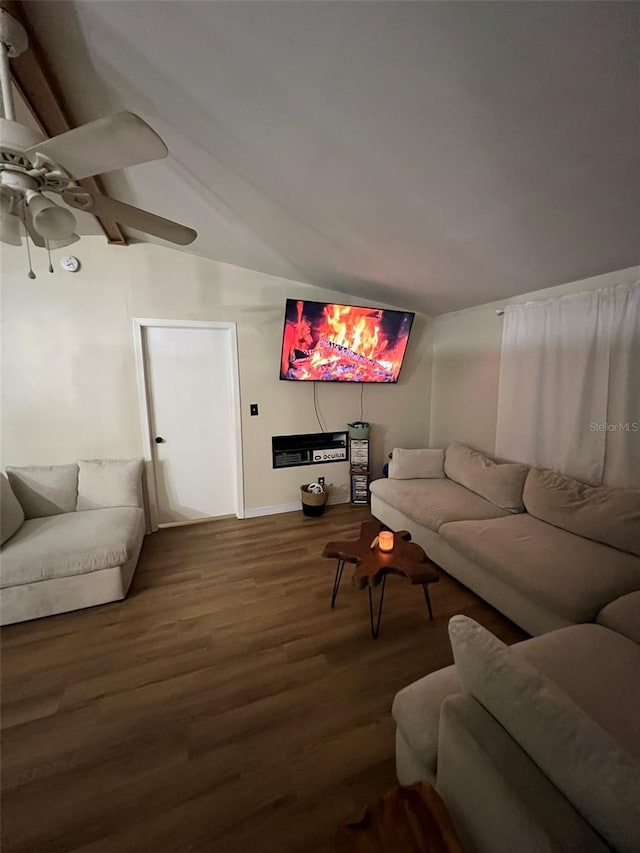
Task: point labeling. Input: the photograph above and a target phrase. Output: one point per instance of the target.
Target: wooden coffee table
(373, 565)
(408, 819)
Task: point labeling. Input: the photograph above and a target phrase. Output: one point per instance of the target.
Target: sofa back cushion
(45, 489)
(622, 615)
(109, 482)
(597, 775)
(601, 513)
(499, 482)
(416, 464)
(11, 513)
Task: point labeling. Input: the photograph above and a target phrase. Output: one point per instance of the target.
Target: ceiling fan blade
(126, 214)
(110, 143)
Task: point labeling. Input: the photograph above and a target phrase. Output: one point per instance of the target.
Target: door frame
(144, 403)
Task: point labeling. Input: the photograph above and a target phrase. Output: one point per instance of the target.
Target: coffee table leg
(336, 582)
(425, 587)
(375, 630)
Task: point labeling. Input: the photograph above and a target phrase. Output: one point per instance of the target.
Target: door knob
(159, 439)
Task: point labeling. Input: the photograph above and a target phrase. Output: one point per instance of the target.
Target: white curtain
(569, 395)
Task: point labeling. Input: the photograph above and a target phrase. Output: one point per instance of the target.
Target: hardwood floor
(223, 706)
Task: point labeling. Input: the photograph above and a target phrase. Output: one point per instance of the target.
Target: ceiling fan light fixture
(62, 244)
(10, 231)
(51, 221)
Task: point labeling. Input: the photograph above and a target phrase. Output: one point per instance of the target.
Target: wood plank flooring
(223, 706)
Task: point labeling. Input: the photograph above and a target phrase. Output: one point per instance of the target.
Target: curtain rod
(499, 311)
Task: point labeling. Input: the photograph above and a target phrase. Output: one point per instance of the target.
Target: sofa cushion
(602, 513)
(11, 513)
(71, 544)
(434, 502)
(109, 482)
(499, 482)
(45, 489)
(596, 667)
(571, 576)
(416, 710)
(623, 616)
(591, 768)
(416, 464)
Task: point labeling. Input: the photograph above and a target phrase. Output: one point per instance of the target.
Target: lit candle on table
(385, 540)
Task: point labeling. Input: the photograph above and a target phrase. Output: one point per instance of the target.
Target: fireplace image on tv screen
(327, 342)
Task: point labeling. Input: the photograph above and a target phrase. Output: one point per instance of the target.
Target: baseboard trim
(276, 509)
(189, 521)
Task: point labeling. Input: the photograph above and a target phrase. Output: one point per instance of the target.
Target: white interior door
(189, 375)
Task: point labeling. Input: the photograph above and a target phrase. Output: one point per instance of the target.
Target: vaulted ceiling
(431, 155)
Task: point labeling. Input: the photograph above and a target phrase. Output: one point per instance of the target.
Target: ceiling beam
(36, 83)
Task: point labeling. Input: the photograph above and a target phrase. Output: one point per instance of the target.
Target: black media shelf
(311, 448)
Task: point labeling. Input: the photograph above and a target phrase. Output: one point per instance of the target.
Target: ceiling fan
(33, 167)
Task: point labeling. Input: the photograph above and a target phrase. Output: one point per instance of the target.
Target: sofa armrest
(416, 710)
(500, 801)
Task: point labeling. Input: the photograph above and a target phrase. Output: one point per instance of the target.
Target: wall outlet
(253, 409)
(321, 480)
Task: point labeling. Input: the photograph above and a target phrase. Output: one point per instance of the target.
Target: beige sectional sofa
(536, 747)
(544, 549)
(71, 536)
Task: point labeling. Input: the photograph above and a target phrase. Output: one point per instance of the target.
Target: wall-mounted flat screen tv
(327, 342)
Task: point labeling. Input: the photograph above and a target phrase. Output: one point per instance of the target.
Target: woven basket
(313, 504)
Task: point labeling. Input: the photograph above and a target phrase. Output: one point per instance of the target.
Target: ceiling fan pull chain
(23, 219)
(32, 275)
(49, 254)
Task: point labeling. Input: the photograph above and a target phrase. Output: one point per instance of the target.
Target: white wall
(465, 353)
(69, 385)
